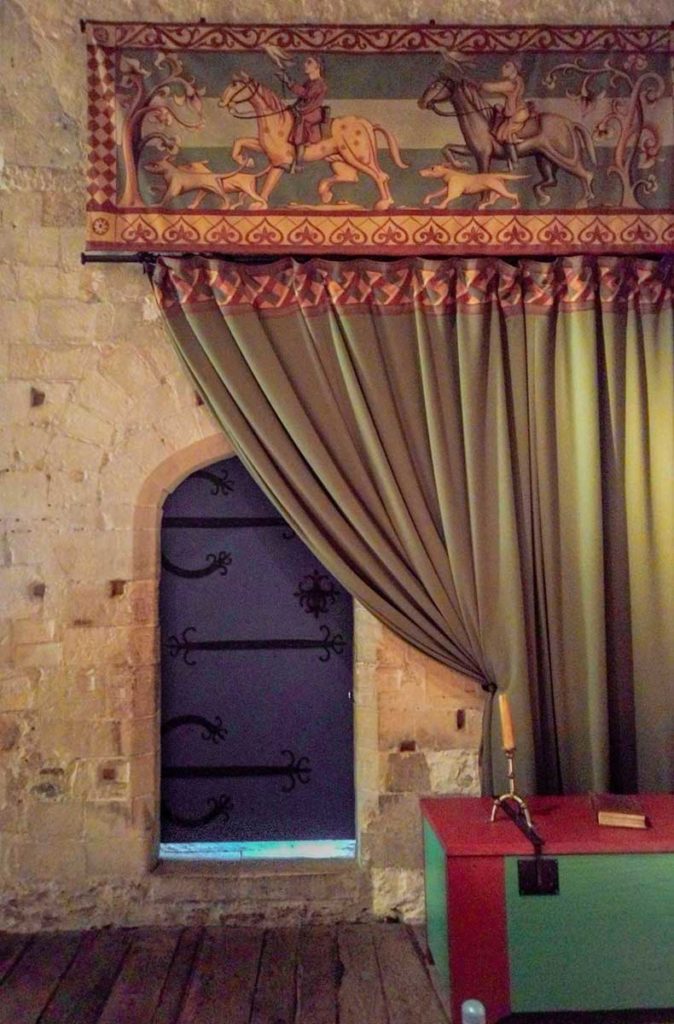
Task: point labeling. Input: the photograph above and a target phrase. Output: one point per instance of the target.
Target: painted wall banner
(369, 140)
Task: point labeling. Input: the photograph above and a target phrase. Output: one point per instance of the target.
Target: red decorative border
(569, 284)
(363, 233)
(362, 39)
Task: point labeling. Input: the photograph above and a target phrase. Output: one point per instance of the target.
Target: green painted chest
(604, 940)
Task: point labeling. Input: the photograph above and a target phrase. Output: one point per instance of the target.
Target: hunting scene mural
(370, 140)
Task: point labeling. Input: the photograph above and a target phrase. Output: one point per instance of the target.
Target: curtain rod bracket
(148, 259)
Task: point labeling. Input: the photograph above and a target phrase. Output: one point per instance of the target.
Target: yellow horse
(350, 148)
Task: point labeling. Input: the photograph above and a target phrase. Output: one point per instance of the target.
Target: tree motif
(148, 107)
(637, 140)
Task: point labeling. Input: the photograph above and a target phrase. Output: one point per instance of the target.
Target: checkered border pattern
(102, 175)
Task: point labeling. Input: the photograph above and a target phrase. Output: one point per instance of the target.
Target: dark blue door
(257, 672)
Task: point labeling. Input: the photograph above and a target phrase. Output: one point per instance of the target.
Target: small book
(619, 810)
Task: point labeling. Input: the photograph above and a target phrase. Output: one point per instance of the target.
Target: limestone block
(398, 894)
(8, 282)
(88, 603)
(454, 771)
(36, 246)
(85, 425)
(116, 858)
(19, 211)
(443, 682)
(23, 493)
(18, 690)
(124, 282)
(365, 730)
(10, 733)
(35, 285)
(37, 655)
(185, 427)
(95, 556)
(33, 631)
(161, 354)
(367, 768)
(19, 320)
(117, 515)
(165, 399)
(60, 860)
(55, 819)
(41, 362)
(16, 407)
(407, 773)
(143, 598)
(392, 651)
(126, 471)
(63, 209)
(368, 633)
(108, 821)
(140, 736)
(105, 780)
(144, 780)
(32, 545)
(75, 456)
(123, 364)
(70, 248)
(146, 686)
(390, 681)
(26, 446)
(68, 321)
(394, 838)
(104, 397)
(97, 645)
(68, 738)
(365, 683)
(129, 318)
(436, 727)
(398, 717)
(71, 497)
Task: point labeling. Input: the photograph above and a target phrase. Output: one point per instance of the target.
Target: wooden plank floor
(346, 974)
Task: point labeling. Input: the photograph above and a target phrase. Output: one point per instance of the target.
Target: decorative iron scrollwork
(216, 563)
(298, 769)
(334, 644)
(221, 482)
(220, 807)
(329, 644)
(315, 592)
(213, 731)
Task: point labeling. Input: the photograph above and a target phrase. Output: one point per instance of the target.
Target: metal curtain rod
(148, 259)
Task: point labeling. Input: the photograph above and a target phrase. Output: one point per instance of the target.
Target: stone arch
(146, 562)
(161, 481)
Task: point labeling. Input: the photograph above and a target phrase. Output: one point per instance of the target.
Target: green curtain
(482, 453)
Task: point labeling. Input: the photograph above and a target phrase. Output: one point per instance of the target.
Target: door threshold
(307, 849)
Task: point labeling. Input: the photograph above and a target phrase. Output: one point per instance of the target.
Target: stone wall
(98, 424)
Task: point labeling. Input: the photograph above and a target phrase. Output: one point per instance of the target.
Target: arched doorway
(257, 675)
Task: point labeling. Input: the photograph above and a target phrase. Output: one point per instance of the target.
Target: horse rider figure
(514, 113)
(308, 110)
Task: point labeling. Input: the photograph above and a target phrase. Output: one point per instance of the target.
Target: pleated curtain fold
(483, 454)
